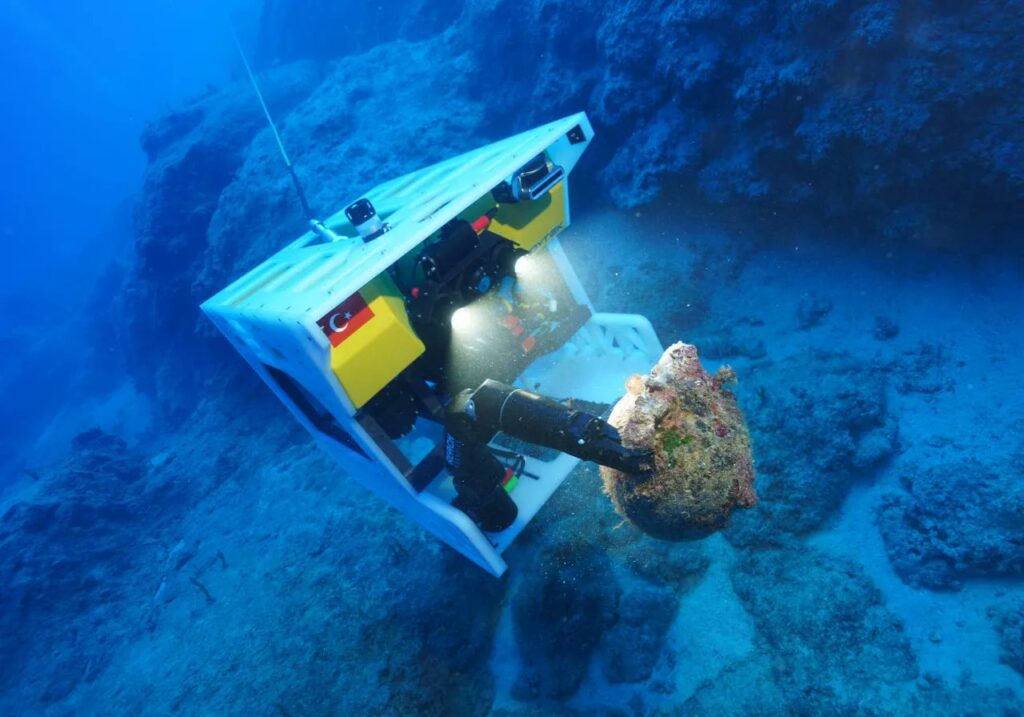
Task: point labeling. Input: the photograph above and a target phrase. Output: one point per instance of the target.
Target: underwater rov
(415, 334)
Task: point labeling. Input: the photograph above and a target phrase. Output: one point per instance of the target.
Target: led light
(529, 270)
(462, 319)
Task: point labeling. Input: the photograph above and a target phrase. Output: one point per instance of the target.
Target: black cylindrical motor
(478, 477)
(441, 259)
(493, 406)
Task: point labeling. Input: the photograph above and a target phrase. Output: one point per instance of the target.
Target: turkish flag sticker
(345, 319)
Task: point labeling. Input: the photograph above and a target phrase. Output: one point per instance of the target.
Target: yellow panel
(378, 350)
(532, 224)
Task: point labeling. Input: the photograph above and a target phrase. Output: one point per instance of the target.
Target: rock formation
(957, 520)
(820, 422)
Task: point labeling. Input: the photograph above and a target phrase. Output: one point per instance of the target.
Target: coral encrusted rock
(1010, 626)
(703, 467)
(821, 423)
(956, 521)
(560, 611)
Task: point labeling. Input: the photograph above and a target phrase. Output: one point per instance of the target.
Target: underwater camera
(533, 180)
(363, 217)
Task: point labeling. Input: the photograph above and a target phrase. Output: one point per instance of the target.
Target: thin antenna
(273, 127)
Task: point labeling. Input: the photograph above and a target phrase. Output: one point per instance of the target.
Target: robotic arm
(476, 415)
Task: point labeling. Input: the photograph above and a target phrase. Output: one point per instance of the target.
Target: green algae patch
(672, 441)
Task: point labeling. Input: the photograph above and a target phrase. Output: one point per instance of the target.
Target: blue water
(824, 195)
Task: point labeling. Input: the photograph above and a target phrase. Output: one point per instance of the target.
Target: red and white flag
(345, 319)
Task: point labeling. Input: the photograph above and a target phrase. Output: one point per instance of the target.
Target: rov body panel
(326, 327)
(371, 339)
(530, 225)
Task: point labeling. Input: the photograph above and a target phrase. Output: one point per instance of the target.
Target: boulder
(955, 521)
(825, 642)
(1010, 626)
(632, 647)
(560, 611)
(820, 422)
(703, 467)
